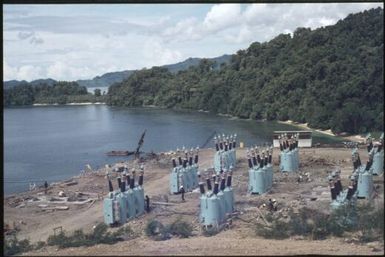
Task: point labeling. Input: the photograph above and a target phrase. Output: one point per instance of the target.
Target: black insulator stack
(368, 165)
(132, 183)
(250, 164)
(359, 160)
(270, 158)
(128, 180)
(230, 146)
(266, 160)
(110, 188)
(184, 163)
(333, 193)
(234, 144)
(208, 181)
(350, 193)
(254, 161)
(216, 188)
(223, 184)
(140, 181)
(290, 147)
(370, 146)
(190, 161)
(123, 186)
(261, 164)
(226, 147)
(196, 159)
(180, 160)
(221, 145)
(202, 187)
(339, 186)
(258, 158)
(216, 147)
(173, 163)
(280, 146)
(355, 186)
(119, 182)
(355, 164)
(228, 183)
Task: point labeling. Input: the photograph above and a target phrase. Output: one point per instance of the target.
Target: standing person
(147, 203)
(181, 190)
(45, 187)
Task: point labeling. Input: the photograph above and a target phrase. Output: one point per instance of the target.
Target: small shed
(304, 140)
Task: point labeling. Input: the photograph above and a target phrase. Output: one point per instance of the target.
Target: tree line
(60, 92)
(331, 77)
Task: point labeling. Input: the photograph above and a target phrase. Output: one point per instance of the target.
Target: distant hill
(13, 83)
(110, 78)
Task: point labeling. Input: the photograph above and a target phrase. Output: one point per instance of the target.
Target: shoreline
(354, 138)
(56, 104)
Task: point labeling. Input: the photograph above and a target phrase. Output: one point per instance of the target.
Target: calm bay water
(56, 142)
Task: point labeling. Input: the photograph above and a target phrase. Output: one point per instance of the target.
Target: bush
(156, 230)
(180, 228)
(39, 245)
(13, 246)
(98, 236)
(318, 225)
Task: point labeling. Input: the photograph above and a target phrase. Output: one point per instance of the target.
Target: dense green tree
(331, 77)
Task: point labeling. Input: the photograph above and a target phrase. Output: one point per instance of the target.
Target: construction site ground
(35, 215)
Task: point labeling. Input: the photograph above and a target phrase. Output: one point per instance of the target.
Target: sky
(71, 42)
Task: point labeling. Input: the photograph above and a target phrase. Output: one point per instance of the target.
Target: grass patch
(13, 246)
(156, 230)
(366, 220)
(99, 235)
(180, 228)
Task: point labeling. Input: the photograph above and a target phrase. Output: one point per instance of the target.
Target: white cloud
(222, 16)
(25, 72)
(157, 54)
(24, 35)
(80, 44)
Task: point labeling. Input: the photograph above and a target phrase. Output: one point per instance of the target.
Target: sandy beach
(354, 138)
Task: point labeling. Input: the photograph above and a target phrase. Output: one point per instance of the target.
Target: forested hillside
(331, 77)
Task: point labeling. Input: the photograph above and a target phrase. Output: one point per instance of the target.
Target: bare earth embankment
(36, 216)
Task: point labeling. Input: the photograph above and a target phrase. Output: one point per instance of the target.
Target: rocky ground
(35, 215)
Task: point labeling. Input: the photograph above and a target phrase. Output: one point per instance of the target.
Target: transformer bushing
(225, 155)
(365, 183)
(216, 204)
(124, 204)
(108, 209)
(174, 181)
(131, 213)
(289, 156)
(378, 162)
(257, 181)
(288, 161)
(343, 197)
(229, 197)
(185, 173)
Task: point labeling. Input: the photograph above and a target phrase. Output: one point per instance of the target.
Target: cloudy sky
(70, 42)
